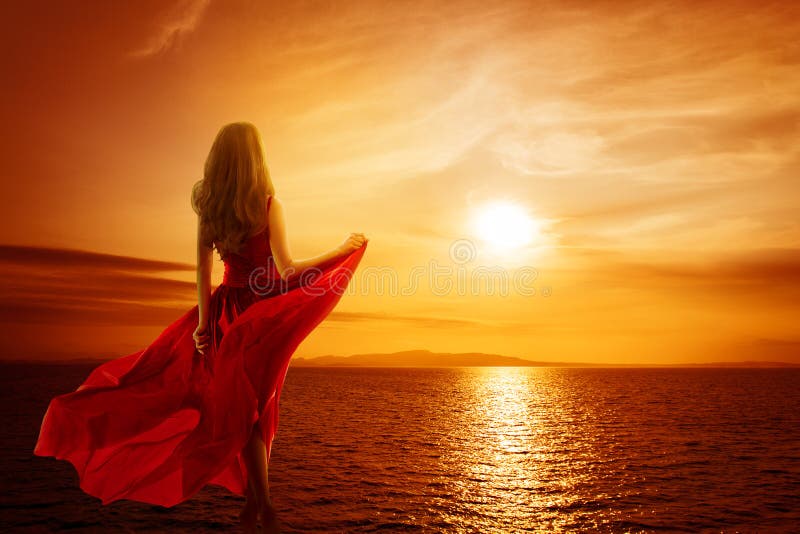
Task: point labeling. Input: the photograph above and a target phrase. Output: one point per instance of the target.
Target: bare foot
(269, 518)
(248, 517)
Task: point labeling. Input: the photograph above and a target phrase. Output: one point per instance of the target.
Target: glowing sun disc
(504, 225)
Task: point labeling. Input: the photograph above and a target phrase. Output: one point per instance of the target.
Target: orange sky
(656, 146)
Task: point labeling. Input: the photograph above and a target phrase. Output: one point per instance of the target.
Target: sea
(466, 450)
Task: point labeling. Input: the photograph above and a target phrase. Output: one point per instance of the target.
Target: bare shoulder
(275, 207)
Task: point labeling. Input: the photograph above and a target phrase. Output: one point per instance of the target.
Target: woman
(199, 405)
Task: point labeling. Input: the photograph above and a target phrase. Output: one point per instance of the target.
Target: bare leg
(254, 455)
(249, 513)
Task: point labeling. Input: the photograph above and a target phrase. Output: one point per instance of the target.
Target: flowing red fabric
(158, 425)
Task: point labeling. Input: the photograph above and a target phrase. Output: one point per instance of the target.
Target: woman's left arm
(205, 262)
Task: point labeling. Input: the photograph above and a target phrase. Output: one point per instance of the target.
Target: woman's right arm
(290, 268)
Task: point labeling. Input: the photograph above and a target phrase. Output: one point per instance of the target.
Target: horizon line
(533, 363)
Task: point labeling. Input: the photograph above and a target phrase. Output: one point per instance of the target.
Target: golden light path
(521, 447)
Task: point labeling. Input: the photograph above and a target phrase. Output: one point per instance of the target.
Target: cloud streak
(176, 24)
(64, 286)
(410, 320)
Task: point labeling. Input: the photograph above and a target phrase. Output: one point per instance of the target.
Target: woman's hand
(353, 242)
(200, 337)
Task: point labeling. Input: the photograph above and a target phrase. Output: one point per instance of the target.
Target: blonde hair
(231, 199)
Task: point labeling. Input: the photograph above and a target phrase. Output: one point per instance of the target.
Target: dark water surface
(467, 450)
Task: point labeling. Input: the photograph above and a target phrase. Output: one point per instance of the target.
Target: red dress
(157, 425)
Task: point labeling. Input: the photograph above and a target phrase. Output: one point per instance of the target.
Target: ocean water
(467, 450)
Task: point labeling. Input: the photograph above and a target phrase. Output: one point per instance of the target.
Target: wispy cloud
(180, 20)
(415, 320)
(59, 258)
(77, 287)
(772, 272)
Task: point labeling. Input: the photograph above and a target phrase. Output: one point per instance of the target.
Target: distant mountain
(416, 358)
(426, 358)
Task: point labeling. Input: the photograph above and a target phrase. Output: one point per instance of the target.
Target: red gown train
(158, 425)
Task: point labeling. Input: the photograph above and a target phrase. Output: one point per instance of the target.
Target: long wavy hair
(231, 199)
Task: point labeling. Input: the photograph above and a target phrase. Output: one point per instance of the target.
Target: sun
(504, 225)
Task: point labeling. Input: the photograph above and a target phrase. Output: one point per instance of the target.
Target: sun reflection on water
(520, 459)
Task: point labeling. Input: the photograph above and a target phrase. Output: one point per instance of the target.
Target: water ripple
(469, 450)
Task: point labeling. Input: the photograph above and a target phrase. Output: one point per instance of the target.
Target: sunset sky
(655, 149)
